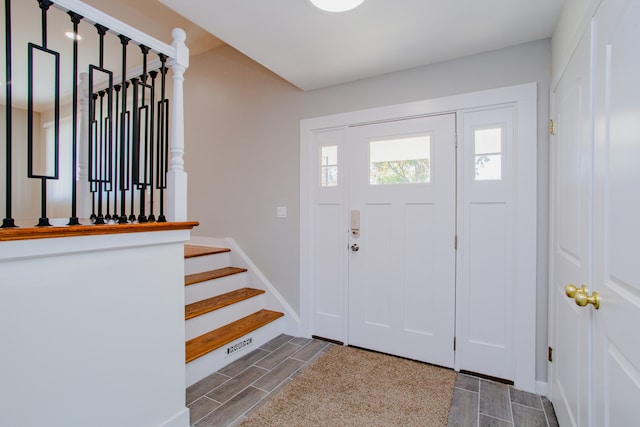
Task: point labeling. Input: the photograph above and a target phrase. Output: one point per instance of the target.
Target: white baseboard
(541, 388)
(180, 420)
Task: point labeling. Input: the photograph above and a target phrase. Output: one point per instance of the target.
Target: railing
(122, 160)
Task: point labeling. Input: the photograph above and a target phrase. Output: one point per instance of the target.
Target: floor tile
(269, 396)
(301, 341)
(277, 342)
(234, 408)
(278, 375)
(524, 416)
(236, 384)
(467, 382)
(494, 400)
(277, 356)
(464, 409)
(200, 408)
(487, 421)
(550, 412)
(310, 350)
(525, 398)
(243, 363)
(204, 386)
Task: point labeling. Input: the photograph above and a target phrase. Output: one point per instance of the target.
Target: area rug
(353, 387)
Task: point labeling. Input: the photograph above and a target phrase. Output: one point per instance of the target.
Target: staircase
(224, 317)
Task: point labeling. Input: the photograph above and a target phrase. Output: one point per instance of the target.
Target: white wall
(92, 331)
(242, 146)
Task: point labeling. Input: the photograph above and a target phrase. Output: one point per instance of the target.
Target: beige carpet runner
(352, 387)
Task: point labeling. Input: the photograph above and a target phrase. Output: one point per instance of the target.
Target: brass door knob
(572, 290)
(583, 299)
(581, 296)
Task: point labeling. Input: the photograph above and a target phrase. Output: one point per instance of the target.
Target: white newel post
(82, 185)
(177, 177)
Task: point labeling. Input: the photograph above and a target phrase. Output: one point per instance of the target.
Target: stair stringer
(256, 279)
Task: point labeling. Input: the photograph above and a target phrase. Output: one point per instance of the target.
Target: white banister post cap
(179, 35)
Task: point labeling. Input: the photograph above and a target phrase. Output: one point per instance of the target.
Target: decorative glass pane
(329, 166)
(400, 161)
(488, 154)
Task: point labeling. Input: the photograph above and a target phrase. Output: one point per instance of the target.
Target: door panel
(487, 283)
(402, 278)
(571, 239)
(616, 384)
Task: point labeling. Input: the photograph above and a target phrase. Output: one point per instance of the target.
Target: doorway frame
(524, 97)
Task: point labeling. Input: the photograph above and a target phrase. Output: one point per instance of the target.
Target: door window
(400, 160)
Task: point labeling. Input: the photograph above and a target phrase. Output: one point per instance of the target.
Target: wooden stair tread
(211, 304)
(192, 251)
(213, 274)
(215, 339)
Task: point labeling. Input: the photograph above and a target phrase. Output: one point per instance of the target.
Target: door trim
(525, 98)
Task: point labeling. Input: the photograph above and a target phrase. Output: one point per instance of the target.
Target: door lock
(355, 247)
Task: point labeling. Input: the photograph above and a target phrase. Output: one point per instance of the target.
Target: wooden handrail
(11, 234)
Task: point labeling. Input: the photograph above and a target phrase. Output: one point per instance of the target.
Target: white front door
(571, 239)
(402, 177)
(616, 343)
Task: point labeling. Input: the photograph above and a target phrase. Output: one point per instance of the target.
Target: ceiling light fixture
(336, 5)
(73, 36)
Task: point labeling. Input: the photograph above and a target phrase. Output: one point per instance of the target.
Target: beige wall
(242, 146)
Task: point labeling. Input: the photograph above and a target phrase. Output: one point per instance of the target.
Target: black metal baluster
(116, 154)
(152, 101)
(44, 7)
(93, 166)
(123, 136)
(135, 145)
(100, 158)
(8, 221)
(103, 143)
(73, 219)
(163, 138)
(141, 179)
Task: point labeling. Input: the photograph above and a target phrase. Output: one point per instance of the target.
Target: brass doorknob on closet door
(572, 290)
(581, 296)
(583, 299)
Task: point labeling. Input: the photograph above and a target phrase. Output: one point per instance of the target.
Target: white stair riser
(215, 287)
(215, 319)
(216, 360)
(201, 264)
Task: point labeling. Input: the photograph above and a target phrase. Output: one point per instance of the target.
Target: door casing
(524, 97)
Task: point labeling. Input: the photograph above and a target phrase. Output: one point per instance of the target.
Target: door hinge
(455, 242)
(454, 343)
(550, 354)
(552, 129)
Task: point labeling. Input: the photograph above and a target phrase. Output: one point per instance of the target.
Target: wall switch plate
(281, 212)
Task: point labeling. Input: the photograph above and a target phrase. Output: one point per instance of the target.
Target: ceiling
(305, 46)
(314, 49)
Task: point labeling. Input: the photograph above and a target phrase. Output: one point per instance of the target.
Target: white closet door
(616, 343)
(571, 153)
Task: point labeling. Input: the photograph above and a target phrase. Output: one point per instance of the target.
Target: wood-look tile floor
(482, 403)
(228, 396)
